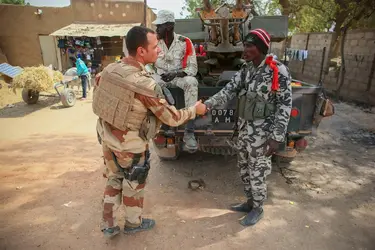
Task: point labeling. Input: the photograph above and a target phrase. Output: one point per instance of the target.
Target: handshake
(201, 108)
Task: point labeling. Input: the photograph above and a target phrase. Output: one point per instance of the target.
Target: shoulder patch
(181, 38)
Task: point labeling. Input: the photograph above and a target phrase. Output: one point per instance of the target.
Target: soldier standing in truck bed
(263, 88)
(131, 108)
(177, 65)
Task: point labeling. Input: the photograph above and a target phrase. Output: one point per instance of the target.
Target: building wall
(20, 29)
(99, 11)
(19, 38)
(359, 52)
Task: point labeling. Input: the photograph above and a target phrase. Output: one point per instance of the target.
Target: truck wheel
(68, 98)
(30, 96)
(282, 159)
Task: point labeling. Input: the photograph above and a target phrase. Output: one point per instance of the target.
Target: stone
(370, 35)
(362, 43)
(371, 43)
(353, 42)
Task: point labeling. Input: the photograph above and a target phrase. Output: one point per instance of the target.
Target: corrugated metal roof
(9, 70)
(94, 30)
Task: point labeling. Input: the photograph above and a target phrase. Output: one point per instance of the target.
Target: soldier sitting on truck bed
(263, 86)
(177, 66)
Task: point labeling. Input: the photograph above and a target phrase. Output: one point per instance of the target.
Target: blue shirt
(81, 67)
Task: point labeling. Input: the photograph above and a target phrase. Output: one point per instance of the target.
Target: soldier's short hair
(137, 37)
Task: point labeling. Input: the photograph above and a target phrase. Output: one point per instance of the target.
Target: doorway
(48, 48)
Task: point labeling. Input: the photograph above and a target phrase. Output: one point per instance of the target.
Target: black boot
(242, 207)
(253, 217)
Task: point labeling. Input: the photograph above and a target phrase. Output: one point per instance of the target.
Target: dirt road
(51, 188)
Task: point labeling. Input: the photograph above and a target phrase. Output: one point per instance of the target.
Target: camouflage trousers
(119, 190)
(189, 85)
(253, 165)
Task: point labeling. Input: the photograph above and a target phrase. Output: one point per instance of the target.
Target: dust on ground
(52, 185)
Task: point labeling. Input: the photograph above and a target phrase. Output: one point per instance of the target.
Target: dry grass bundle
(39, 78)
(57, 76)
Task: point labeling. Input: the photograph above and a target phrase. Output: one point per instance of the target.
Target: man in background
(177, 66)
(83, 73)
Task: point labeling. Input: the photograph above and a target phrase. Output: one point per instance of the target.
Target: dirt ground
(51, 189)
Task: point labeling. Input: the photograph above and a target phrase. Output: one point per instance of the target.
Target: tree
(340, 15)
(16, 2)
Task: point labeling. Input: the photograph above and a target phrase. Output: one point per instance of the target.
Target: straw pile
(57, 76)
(39, 78)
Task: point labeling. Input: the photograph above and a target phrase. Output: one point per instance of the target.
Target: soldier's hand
(271, 146)
(200, 108)
(168, 76)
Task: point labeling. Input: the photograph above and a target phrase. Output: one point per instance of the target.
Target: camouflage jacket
(171, 59)
(277, 123)
(130, 141)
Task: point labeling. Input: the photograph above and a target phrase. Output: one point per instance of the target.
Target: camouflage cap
(164, 16)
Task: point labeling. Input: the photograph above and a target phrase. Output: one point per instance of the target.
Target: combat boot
(111, 232)
(190, 142)
(146, 224)
(242, 207)
(253, 217)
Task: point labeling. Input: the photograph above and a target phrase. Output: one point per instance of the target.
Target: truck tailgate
(221, 118)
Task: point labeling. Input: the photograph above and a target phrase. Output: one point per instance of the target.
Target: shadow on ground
(51, 190)
(21, 109)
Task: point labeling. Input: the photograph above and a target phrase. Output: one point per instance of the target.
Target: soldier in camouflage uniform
(267, 84)
(177, 66)
(139, 108)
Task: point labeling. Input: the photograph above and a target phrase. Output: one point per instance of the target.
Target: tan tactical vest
(114, 99)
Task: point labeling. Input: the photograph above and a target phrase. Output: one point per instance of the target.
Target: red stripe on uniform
(140, 186)
(111, 191)
(132, 202)
(108, 213)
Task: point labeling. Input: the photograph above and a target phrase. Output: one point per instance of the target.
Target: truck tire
(29, 96)
(68, 98)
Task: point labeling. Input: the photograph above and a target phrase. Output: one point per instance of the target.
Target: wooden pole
(369, 83)
(307, 45)
(145, 13)
(322, 66)
(342, 69)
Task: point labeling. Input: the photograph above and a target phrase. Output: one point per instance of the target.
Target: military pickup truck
(216, 68)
